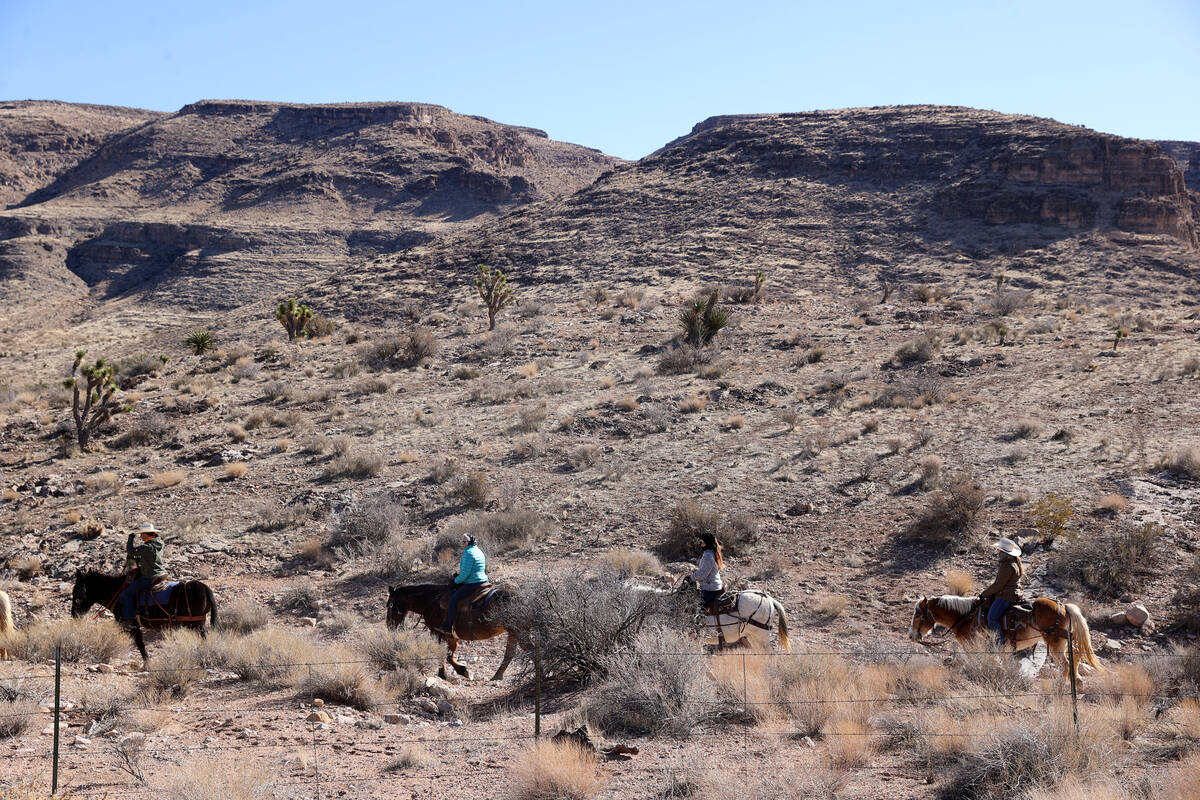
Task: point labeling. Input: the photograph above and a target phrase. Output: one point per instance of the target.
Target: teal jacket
(470, 566)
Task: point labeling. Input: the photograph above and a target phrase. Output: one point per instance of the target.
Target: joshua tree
(760, 283)
(200, 341)
(702, 319)
(293, 317)
(494, 290)
(96, 405)
(1120, 334)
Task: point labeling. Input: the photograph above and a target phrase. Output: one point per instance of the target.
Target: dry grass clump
(445, 469)
(81, 639)
(396, 650)
(353, 464)
(368, 522)
(829, 607)
(236, 432)
(179, 662)
(17, 715)
(508, 530)
(959, 583)
(168, 478)
(733, 422)
(301, 597)
(627, 403)
(529, 446)
(409, 756)
(235, 470)
(473, 490)
(26, 566)
(950, 514)
(1112, 503)
(693, 404)
(930, 467)
(243, 616)
(850, 742)
(347, 684)
(991, 667)
(919, 350)
(104, 481)
(1025, 429)
(550, 770)
(146, 429)
(1180, 782)
(399, 352)
(629, 562)
(269, 655)
(690, 518)
(203, 779)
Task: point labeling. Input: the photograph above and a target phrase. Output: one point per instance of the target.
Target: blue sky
(625, 77)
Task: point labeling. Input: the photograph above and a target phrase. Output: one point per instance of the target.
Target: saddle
(1015, 618)
(481, 598)
(724, 604)
(158, 595)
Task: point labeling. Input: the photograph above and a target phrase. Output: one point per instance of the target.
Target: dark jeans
(128, 597)
(463, 590)
(709, 597)
(996, 615)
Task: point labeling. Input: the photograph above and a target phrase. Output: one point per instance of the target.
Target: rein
(108, 606)
(949, 630)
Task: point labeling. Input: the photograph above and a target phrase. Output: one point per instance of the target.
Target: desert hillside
(228, 201)
(943, 326)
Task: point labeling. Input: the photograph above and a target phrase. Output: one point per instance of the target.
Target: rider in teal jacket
(470, 577)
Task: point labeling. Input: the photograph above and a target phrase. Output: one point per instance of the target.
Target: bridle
(927, 616)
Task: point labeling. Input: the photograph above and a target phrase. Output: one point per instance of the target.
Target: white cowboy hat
(1008, 546)
(148, 528)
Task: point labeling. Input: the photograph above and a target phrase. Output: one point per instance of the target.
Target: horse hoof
(442, 673)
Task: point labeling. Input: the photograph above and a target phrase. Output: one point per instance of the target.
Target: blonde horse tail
(6, 623)
(784, 644)
(1082, 636)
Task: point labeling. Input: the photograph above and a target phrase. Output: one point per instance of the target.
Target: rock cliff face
(847, 197)
(226, 201)
(1187, 154)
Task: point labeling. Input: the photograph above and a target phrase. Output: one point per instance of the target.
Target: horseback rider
(144, 564)
(1005, 590)
(708, 574)
(469, 578)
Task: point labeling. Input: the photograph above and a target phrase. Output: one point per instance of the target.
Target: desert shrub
(1185, 462)
(209, 779)
(959, 583)
(1053, 515)
(368, 521)
(401, 351)
(659, 687)
(949, 515)
(1007, 301)
(269, 655)
(346, 683)
(400, 650)
(16, 716)
(179, 663)
(26, 566)
(145, 429)
(690, 518)
(168, 478)
(409, 756)
(1025, 429)
(319, 327)
(554, 770)
(243, 616)
(301, 596)
(445, 469)
(235, 470)
(991, 667)
(507, 530)
(473, 490)
(552, 611)
(1111, 564)
(828, 607)
(627, 562)
(930, 466)
(270, 517)
(1017, 759)
(682, 358)
(81, 639)
(353, 464)
(582, 457)
(918, 350)
(529, 446)
(199, 341)
(1112, 504)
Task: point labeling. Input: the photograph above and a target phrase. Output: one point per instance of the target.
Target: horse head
(922, 621)
(81, 600)
(396, 607)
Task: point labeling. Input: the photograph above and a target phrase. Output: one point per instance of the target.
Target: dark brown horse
(430, 601)
(190, 603)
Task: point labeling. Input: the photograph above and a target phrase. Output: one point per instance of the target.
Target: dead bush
(919, 350)
(397, 650)
(353, 464)
(473, 490)
(81, 639)
(301, 596)
(207, 778)
(268, 656)
(659, 687)
(627, 562)
(1111, 564)
(243, 616)
(682, 358)
(399, 352)
(270, 517)
(1185, 461)
(345, 683)
(950, 514)
(551, 610)
(369, 521)
(145, 429)
(509, 530)
(1007, 301)
(690, 518)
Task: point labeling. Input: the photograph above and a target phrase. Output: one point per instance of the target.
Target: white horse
(747, 621)
(7, 628)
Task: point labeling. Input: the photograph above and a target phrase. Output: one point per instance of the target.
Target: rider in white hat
(144, 562)
(1005, 590)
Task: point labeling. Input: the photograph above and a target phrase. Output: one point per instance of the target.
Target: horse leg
(1057, 648)
(510, 647)
(136, 630)
(451, 647)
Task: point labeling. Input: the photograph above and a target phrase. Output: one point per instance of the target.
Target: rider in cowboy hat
(145, 563)
(1005, 590)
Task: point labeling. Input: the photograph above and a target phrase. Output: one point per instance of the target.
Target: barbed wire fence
(320, 778)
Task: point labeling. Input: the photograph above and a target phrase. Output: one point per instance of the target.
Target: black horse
(430, 601)
(190, 602)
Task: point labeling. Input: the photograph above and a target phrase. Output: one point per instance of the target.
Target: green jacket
(148, 557)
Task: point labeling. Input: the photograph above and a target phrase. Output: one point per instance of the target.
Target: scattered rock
(444, 707)
(1118, 619)
(310, 622)
(319, 716)
(427, 705)
(1137, 615)
(81, 742)
(370, 723)
(318, 702)
(397, 719)
(439, 688)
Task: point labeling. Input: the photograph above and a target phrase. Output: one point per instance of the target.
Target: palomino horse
(190, 603)
(1050, 621)
(430, 601)
(7, 628)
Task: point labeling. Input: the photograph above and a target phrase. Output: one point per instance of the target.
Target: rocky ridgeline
(227, 201)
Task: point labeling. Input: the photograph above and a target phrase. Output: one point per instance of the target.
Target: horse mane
(955, 603)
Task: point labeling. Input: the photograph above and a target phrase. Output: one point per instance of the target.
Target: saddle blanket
(157, 597)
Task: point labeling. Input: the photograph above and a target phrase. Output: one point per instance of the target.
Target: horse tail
(6, 620)
(784, 644)
(1082, 636)
(212, 605)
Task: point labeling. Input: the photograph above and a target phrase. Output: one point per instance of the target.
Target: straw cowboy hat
(1008, 546)
(148, 529)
